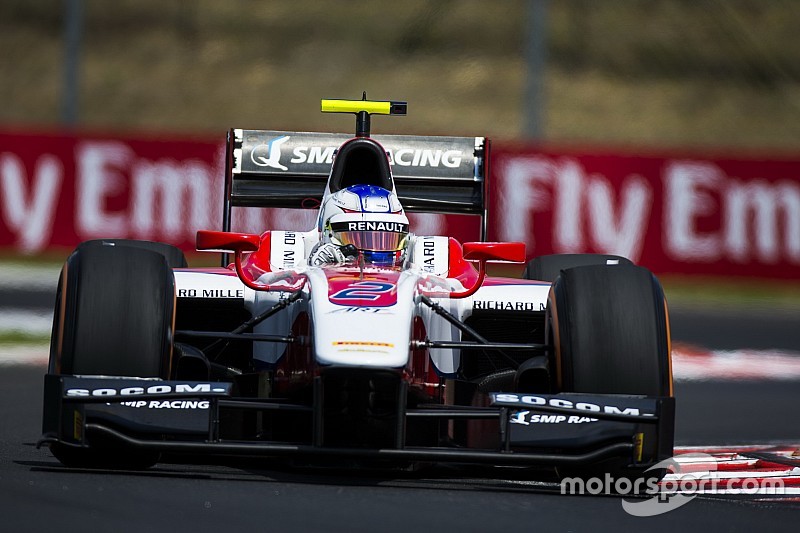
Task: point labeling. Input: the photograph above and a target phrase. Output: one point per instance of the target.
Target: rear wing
(267, 168)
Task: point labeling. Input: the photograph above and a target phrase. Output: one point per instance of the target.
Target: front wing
(185, 417)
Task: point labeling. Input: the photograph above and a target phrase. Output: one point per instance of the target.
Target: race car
(357, 340)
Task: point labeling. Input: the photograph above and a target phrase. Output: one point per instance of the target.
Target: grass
(730, 293)
(712, 292)
(706, 74)
(19, 338)
(53, 259)
(49, 258)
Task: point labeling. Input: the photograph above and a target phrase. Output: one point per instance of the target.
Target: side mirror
(495, 251)
(489, 251)
(238, 243)
(225, 241)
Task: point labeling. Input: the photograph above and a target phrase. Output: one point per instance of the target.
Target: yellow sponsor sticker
(364, 343)
(362, 350)
(77, 425)
(638, 446)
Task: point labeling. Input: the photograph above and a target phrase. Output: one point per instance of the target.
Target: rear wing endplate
(266, 168)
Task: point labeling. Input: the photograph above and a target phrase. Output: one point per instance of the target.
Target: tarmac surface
(38, 494)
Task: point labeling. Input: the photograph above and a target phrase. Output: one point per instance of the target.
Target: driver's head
(368, 217)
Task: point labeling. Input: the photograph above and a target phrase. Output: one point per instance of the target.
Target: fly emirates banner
(732, 216)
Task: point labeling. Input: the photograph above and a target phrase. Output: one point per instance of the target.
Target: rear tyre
(548, 267)
(610, 330)
(114, 317)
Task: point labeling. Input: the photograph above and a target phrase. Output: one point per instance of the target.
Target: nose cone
(362, 320)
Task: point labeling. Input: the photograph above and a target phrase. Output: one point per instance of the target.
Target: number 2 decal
(363, 290)
(366, 293)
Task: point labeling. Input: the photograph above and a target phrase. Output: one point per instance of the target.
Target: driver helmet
(368, 217)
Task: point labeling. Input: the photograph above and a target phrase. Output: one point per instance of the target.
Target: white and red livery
(426, 359)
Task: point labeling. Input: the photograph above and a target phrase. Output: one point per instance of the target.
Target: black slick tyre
(114, 316)
(610, 331)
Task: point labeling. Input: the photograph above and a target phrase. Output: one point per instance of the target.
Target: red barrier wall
(733, 217)
(715, 216)
(59, 190)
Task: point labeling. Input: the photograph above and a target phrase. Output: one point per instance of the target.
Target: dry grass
(710, 73)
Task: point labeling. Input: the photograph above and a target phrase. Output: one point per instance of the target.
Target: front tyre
(114, 316)
(610, 331)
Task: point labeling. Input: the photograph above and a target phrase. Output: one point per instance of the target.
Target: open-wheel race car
(357, 341)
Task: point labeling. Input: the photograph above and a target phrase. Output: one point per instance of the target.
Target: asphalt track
(37, 494)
